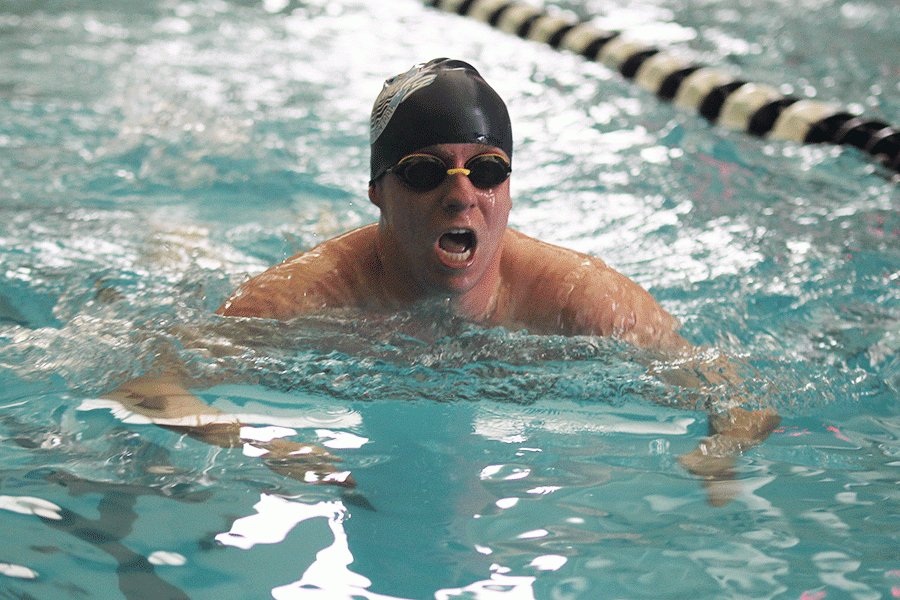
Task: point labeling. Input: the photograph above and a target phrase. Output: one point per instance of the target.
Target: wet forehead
(452, 152)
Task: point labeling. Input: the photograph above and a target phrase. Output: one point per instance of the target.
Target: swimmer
(441, 143)
(441, 159)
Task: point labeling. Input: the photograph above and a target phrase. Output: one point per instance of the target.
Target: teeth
(458, 255)
(463, 255)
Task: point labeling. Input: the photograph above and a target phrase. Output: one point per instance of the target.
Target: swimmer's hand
(164, 400)
(731, 433)
(303, 462)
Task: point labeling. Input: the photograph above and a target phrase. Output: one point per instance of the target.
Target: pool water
(155, 154)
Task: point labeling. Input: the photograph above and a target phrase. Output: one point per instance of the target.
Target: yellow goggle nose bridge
(455, 171)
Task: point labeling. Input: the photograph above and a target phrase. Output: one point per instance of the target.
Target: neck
(479, 304)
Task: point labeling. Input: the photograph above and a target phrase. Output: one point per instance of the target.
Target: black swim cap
(441, 102)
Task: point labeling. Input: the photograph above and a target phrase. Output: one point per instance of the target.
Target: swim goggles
(423, 172)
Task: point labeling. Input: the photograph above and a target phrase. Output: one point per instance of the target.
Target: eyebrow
(446, 156)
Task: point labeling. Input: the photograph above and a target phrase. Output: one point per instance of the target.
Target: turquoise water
(155, 154)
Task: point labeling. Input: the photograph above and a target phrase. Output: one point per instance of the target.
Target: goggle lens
(423, 172)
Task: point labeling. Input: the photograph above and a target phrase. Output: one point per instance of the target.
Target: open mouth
(457, 246)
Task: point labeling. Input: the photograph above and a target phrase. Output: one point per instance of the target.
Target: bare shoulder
(332, 274)
(559, 290)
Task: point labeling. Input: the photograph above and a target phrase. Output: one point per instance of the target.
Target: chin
(455, 287)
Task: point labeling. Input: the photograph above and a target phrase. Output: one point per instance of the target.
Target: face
(443, 242)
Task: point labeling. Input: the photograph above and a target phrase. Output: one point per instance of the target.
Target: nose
(460, 194)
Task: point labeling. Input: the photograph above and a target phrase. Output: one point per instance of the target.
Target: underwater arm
(732, 428)
(164, 399)
(731, 434)
(607, 303)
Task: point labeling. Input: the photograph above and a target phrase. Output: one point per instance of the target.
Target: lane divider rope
(757, 109)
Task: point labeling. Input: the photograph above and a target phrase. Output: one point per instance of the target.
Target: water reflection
(501, 586)
(330, 577)
(108, 532)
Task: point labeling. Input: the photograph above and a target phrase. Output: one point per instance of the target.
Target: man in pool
(442, 148)
(441, 145)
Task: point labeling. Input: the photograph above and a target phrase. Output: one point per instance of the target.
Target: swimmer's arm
(335, 274)
(611, 304)
(718, 376)
(731, 434)
(275, 294)
(608, 303)
(164, 399)
(732, 431)
(604, 302)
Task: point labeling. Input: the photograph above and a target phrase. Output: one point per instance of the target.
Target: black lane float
(722, 99)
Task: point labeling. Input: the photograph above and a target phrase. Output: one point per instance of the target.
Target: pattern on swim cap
(443, 101)
(394, 92)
